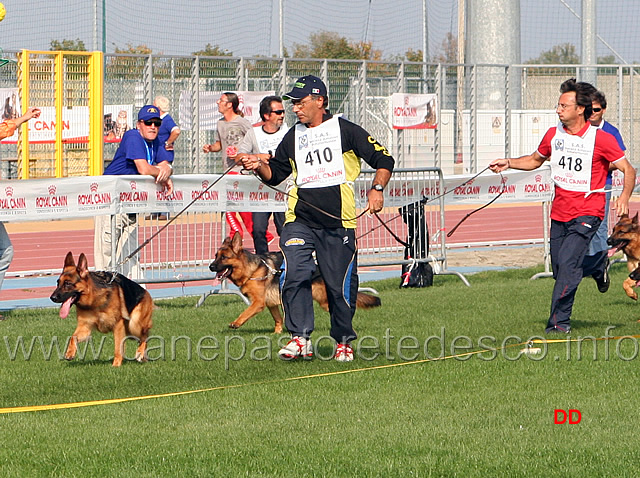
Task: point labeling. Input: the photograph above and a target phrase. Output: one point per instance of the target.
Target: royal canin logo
(235, 185)
(52, 190)
(8, 191)
(205, 184)
(93, 187)
(133, 185)
(538, 178)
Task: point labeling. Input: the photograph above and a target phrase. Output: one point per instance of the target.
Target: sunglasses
(596, 110)
(278, 112)
(155, 123)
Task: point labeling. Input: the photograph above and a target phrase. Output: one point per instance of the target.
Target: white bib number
(571, 159)
(319, 155)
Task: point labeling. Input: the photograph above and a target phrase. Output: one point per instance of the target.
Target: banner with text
(414, 111)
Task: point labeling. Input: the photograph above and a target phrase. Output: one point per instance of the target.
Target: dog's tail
(367, 301)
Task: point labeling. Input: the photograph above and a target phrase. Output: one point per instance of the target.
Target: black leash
(173, 218)
(504, 188)
(313, 206)
(384, 224)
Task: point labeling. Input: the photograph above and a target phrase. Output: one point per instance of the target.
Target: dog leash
(173, 218)
(504, 188)
(313, 206)
(384, 223)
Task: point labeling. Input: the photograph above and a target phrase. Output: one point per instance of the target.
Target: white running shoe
(297, 347)
(344, 353)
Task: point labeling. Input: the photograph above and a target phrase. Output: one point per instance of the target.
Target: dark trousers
(336, 254)
(569, 243)
(260, 226)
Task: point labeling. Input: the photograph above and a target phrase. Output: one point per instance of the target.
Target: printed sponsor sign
(414, 111)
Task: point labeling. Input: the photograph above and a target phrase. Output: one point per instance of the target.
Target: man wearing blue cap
(321, 215)
(136, 154)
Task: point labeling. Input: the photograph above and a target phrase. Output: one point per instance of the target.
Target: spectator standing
(263, 140)
(136, 154)
(598, 247)
(7, 128)
(231, 129)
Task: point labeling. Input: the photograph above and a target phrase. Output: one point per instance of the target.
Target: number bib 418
(571, 159)
(319, 155)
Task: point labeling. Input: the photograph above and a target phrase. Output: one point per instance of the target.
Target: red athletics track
(42, 246)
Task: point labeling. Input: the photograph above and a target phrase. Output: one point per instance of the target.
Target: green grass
(489, 414)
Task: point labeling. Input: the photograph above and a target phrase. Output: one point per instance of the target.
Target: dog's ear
(68, 261)
(635, 219)
(83, 266)
(236, 243)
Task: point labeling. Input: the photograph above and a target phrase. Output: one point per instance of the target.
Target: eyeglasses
(301, 103)
(596, 110)
(278, 112)
(564, 107)
(155, 123)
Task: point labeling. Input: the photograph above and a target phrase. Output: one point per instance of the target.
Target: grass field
(486, 414)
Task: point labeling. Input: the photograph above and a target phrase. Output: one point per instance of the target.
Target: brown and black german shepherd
(258, 277)
(104, 301)
(625, 237)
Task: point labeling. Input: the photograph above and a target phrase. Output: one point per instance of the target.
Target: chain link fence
(484, 111)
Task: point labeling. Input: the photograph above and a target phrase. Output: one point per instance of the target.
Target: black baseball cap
(305, 86)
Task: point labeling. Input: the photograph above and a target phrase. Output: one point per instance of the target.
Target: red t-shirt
(568, 205)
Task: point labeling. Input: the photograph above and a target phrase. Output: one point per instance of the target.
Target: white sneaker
(344, 353)
(297, 347)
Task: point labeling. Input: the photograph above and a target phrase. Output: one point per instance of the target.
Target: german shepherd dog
(105, 301)
(625, 237)
(258, 278)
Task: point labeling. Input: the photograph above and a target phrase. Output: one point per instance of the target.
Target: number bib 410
(319, 155)
(571, 159)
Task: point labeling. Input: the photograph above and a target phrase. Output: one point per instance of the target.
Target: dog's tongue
(65, 308)
(612, 251)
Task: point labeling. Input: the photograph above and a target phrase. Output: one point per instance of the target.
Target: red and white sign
(414, 111)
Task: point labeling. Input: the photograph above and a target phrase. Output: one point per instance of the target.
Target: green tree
(213, 51)
(448, 50)
(607, 60)
(564, 54)
(139, 50)
(413, 55)
(67, 45)
(331, 45)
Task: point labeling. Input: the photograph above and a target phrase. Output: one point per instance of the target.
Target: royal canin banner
(209, 115)
(414, 111)
(88, 196)
(75, 124)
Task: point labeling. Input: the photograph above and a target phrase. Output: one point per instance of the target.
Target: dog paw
(233, 325)
(277, 330)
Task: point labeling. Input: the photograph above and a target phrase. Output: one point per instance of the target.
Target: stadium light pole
(281, 28)
(425, 41)
(95, 26)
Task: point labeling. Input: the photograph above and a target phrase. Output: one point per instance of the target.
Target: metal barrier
(414, 206)
(409, 194)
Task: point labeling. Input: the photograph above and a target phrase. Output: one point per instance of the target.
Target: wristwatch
(378, 187)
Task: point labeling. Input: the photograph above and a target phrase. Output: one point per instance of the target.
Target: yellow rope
(112, 401)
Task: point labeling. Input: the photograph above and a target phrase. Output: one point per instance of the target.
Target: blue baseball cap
(148, 112)
(305, 86)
